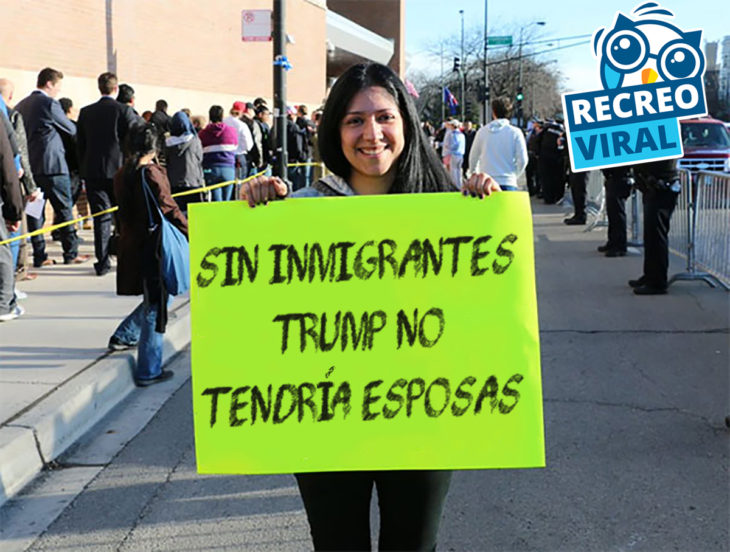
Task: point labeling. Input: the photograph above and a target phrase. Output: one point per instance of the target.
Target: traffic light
(457, 64)
(482, 94)
(520, 96)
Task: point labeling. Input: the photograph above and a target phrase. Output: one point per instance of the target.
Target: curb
(39, 435)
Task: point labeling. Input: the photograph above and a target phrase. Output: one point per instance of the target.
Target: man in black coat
(160, 118)
(102, 128)
(44, 122)
(551, 162)
(296, 138)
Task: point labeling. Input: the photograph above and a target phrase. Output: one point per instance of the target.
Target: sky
(430, 21)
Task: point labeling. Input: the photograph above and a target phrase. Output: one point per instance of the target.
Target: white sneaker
(19, 295)
(13, 314)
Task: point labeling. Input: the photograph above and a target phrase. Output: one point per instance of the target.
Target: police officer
(551, 162)
(659, 184)
(617, 183)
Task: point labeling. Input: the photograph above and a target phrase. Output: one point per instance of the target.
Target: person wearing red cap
(245, 140)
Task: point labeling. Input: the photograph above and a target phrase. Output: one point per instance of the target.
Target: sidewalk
(57, 377)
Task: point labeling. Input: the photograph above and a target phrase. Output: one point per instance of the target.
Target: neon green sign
(388, 332)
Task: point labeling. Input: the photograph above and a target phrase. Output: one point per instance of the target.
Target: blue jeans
(15, 247)
(56, 189)
(296, 177)
(242, 166)
(308, 173)
(7, 275)
(214, 175)
(139, 327)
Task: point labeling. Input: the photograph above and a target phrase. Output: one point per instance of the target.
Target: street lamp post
(280, 88)
(461, 74)
(443, 103)
(519, 85)
(485, 85)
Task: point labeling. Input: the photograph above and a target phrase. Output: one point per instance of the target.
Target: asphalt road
(636, 391)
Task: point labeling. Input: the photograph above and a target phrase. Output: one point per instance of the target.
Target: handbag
(174, 250)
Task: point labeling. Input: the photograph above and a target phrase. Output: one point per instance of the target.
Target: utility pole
(443, 103)
(486, 115)
(519, 85)
(282, 157)
(461, 73)
(519, 94)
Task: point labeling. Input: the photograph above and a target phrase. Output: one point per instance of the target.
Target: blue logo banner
(652, 74)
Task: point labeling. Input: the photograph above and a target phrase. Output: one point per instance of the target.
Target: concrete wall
(384, 17)
(188, 52)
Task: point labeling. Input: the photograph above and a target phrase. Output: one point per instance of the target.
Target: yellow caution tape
(191, 191)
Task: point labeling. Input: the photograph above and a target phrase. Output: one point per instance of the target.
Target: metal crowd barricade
(701, 228)
(679, 232)
(635, 219)
(595, 201)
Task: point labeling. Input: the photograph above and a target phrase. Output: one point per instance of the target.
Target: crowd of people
(53, 152)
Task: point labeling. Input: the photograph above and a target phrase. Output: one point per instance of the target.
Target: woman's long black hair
(141, 139)
(419, 168)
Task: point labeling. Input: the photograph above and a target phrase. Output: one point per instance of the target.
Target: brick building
(190, 52)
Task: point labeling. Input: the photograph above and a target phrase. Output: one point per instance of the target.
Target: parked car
(706, 144)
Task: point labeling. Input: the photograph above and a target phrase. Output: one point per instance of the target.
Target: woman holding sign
(371, 139)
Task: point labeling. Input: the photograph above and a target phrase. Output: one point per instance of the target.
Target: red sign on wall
(256, 25)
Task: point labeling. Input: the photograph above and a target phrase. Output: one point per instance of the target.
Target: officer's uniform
(659, 184)
(618, 187)
(578, 183)
(550, 162)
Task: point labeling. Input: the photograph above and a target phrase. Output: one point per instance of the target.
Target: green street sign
(499, 40)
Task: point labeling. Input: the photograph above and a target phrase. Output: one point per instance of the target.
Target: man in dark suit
(44, 122)
(126, 96)
(102, 127)
(160, 118)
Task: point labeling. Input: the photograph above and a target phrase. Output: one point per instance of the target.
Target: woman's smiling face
(372, 138)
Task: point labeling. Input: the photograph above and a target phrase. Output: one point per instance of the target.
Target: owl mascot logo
(652, 76)
(647, 50)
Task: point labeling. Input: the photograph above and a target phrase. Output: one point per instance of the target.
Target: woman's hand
(263, 189)
(480, 185)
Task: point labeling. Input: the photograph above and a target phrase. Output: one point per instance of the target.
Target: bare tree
(540, 78)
